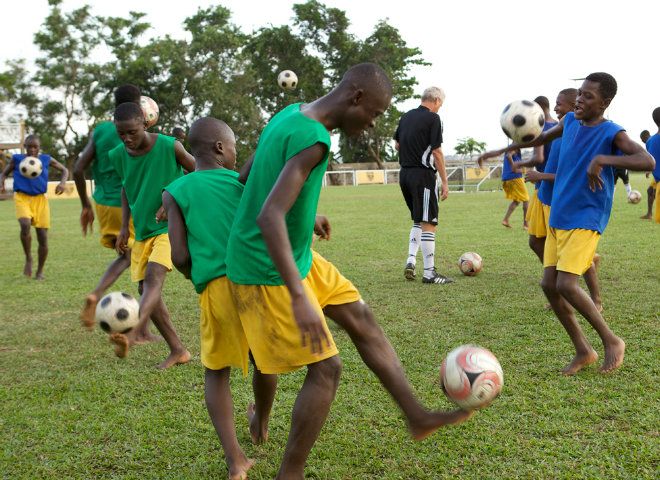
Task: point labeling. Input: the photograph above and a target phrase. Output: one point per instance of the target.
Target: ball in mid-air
(471, 377)
(150, 110)
(117, 312)
(470, 263)
(30, 167)
(634, 197)
(287, 80)
(522, 121)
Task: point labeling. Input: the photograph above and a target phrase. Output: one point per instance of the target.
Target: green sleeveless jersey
(287, 134)
(107, 184)
(208, 200)
(143, 178)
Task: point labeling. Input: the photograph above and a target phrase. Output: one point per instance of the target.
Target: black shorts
(420, 190)
(621, 173)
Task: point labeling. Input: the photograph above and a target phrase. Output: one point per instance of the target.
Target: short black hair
(543, 102)
(32, 136)
(128, 111)
(368, 75)
(127, 94)
(176, 131)
(656, 116)
(606, 84)
(569, 92)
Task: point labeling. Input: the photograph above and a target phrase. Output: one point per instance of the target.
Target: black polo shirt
(419, 133)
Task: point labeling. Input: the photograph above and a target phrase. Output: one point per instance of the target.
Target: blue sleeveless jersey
(547, 186)
(547, 148)
(507, 173)
(653, 147)
(31, 186)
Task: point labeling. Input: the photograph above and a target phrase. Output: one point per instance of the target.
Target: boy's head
(543, 102)
(211, 140)
(364, 93)
(127, 94)
(565, 101)
(656, 116)
(595, 95)
(32, 145)
(179, 133)
(130, 124)
(645, 134)
(433, 98)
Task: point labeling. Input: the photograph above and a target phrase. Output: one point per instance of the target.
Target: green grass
(70, 409)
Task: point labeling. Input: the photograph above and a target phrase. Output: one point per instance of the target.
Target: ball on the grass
(30, 167)
(634, 197)
(117, 312)
(471, 377)
(287, 80)
(522, 121)
(470, 263)
(150, 110)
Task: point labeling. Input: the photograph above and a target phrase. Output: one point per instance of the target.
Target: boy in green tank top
(198, 235)
(282, 289)
(147, 163)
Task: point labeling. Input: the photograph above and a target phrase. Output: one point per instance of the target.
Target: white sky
(483, 53)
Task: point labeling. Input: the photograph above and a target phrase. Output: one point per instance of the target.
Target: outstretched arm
(6, 171)
(183, 158)
(178, 234)
(59, 190)
(85, 159)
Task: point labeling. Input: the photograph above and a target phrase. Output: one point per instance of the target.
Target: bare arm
(121, 244)
(245, 170)
(7, 170)
(396, 146)
(537, 159)
(85, 159)
(439, 161)
(183, 158)
(178, 235)
(65, 175)
(534, 176)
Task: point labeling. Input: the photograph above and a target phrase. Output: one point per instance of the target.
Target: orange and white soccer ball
(634, 197)
(150, 110)
(471, 377)
(470, 263)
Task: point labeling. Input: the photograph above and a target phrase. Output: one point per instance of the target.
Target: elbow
(180, 259)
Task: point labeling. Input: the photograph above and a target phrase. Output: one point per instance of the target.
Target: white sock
(628, 188)
(413, 245)
(428, 252)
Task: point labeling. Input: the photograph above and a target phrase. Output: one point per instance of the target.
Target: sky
(484, 54)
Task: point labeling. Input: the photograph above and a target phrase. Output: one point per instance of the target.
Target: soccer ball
(150, 110)
(30, 167)
(634, 197)
(471, 377)
(522, 121)
(470, 263)
(287, 80)
(117, 312)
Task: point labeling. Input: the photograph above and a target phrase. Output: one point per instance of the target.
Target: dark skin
(32, 147)
(514, 204)
(650, 191)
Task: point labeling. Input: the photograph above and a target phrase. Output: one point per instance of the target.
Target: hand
(444, 192)
(310, 324)
(2, 184)
(87, 220)
(593, 174)
(121, 244)
(161, 215)
(532, 176)
(322, 227)
(485, 156)
(59, 190)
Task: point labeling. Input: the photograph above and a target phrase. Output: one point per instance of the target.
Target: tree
(468, 147)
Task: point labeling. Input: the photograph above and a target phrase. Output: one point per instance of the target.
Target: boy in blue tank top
(514, 186)
(581, 205)
(31, 202)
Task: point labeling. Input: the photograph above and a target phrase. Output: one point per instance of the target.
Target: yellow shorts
(656, 216)
(515, 190)
(536, 220)
(653, 183)
(271, 330)
(546, 217)
(570, 251)
(223, 342)
(153, 249)
(110, 224)
(34, 207)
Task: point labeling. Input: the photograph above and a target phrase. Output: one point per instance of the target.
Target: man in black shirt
(418, 141)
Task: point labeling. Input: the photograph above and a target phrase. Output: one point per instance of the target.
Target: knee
(565, 287)
(331, 369)
(25, 229)
(549, 285)
(361, 324)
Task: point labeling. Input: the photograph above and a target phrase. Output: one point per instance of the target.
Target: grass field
(70, 409)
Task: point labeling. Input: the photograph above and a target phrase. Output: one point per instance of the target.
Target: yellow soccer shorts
(536, 220)
(546, 217)
(656, 215)
(223, 342)
(110, 224)
(153, 249)
(270, 327)
(515, 190)
(34, 207)
(570, 251)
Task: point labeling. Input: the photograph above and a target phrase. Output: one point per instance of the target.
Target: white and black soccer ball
(471, 377)
(287, 80)
(117, 312)
(470, 263)
(522, 121)
(634, 197)
(30, 167)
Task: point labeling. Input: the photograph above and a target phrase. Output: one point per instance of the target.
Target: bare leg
(567, 284)
(537, 245)
(112, 273)
(507, 215)
(217, 394)
(650, 198)
(591, 279)
(309, 414)
(42, 239)
(26, 242)
(377, 353)
(525, 205)
(258, 413)
(142, 334)
(584, 353)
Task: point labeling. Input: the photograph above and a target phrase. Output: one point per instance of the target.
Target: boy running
(513, 186)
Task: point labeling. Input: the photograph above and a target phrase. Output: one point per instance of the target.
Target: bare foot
(175, 358)
(580, 361)
(646, 217)
(525, 225)
(506, 223)
(88, 311)
(27, 269)
(258, 437)
(239, 472)
(614, 353)
(148, 338)
(436, 420)
(39, 276)
(596, 261)
(120, 344)
(548, 306)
